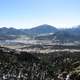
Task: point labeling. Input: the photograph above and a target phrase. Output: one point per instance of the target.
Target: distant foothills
(44, 31)
(41, 29)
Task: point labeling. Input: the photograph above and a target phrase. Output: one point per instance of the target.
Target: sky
(31, 13)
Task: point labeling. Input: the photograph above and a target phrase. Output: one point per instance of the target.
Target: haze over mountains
(43, 32)
(41, 29)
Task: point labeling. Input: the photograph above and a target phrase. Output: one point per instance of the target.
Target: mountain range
(42, 29)
(43, 32)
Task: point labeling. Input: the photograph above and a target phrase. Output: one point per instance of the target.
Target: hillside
(43, 29)
(20, 65)
(63, 35)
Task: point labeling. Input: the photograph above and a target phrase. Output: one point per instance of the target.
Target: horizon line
(75, 26)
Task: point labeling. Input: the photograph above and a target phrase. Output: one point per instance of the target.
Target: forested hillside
(15, 65)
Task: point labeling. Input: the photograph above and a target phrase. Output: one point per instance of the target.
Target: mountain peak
(43, 29)
(45, 25)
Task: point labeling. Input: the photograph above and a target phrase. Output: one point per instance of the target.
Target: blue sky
(31, 13)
